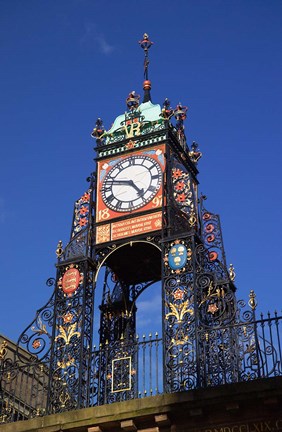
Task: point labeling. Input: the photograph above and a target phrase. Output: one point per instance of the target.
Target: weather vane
(145, 44)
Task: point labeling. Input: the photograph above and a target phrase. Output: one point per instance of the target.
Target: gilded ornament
(213, 292)
(178, 311)
(67, 334)
(41, 327)
(64, 398)
(232, 273)
(3, 350)
(252, 301)
(195, 154)
(177, 341)
(64, 364)
(192, 219)
(59, 250)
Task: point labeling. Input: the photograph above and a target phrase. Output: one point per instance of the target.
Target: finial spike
(145, 44)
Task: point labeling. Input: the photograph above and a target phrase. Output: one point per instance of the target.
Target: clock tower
(141, 221)
(151, 225)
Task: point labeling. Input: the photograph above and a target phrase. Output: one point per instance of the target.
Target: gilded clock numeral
(104, 214)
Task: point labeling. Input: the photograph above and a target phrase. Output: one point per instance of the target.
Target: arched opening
(135, 262)
(125, 273)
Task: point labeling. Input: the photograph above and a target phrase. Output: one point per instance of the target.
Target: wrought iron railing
(135, 370)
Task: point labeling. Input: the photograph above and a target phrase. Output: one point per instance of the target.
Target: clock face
(131, 183)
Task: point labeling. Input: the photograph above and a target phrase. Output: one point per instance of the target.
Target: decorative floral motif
(86, 197)
(67, 333)
(178, 294)
(67, 318)
(183, 193)
(66, 363)
(84, 210)
(36, 344)
(179, 310)
(181, 198)
(83, 222)
(176, 173)
(130, 145)
(81, 213)
(180, 185)
(212, 308)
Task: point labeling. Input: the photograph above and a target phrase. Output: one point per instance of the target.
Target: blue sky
(64, 63)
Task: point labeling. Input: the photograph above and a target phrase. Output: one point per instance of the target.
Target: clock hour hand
(126, 182)
(139, 190)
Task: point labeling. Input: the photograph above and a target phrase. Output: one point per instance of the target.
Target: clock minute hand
(119, 182)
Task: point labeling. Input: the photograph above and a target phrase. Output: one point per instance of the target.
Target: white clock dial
(131, 183)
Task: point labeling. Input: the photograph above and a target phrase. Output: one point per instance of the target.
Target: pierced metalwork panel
(72, 338)
(121, 374)
(180, 336)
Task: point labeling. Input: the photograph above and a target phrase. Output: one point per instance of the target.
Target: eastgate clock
(131, 183)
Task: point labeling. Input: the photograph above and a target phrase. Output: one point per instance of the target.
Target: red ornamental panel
(70, 281)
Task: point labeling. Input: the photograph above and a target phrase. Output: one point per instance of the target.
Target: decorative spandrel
(37, 337)
(211, 234)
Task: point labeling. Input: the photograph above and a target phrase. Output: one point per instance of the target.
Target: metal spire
(145, 44)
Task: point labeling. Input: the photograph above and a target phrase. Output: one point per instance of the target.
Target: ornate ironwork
(72, 338)
(36, 338)
(24, 385)
(208, 338)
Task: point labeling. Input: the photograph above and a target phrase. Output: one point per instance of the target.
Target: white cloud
(105, 48)
(92, 36)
